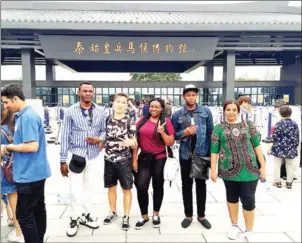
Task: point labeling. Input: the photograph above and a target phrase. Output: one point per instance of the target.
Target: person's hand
(262, 172)
(161, 128)
(93, 140)
(64, 169)
(3, 150)
(134, 165)
(102, 145)
(190, 130)
(214, 176)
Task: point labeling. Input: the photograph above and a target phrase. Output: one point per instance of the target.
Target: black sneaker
(156, 221)
(125, 223)
(141, 223)
(110, 218)
(73, 227)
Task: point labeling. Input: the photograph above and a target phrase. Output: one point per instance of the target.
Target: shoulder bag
(7, 166)
(200, 167)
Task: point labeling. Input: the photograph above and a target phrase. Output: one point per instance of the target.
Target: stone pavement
(278, 213)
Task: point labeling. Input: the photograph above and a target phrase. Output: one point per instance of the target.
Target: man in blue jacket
(193, 126)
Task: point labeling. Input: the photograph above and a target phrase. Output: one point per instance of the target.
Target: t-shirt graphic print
(116, 132)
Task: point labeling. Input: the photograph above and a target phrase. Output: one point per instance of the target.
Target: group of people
(134, 153)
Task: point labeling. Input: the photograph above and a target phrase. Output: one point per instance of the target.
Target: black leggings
(245, 190)
(148, 169)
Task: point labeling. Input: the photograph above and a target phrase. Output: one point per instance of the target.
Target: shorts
(245, 190)
(118, 171)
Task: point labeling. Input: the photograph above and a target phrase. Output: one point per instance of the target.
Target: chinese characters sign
(143, 48)
(128, 48)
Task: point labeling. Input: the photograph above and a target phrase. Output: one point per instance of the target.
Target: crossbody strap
(9, 139)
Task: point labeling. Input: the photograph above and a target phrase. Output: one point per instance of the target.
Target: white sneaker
(73, 227)
(233, 233)
(86, 220)
(248, 236)
(14, 238)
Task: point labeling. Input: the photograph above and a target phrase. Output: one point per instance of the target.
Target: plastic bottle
(192, 121)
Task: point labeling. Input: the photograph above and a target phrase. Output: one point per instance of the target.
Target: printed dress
(6, 186)
(235, 145)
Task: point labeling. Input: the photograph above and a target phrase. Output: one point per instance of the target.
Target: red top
(147, 143)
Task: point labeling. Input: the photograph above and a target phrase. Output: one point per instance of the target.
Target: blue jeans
(31, 211)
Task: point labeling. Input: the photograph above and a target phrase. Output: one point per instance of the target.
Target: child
(120, 136)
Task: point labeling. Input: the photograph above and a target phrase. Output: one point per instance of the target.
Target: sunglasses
(88, 116)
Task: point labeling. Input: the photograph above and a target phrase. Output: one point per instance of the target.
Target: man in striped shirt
(83, 129)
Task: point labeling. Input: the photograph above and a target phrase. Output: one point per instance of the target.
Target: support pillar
(50, 79)
(228, 80)
(50, 72)
(208, 77)
(209, 72)
(28, 73)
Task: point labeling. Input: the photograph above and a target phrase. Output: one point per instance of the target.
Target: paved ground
(278, 213)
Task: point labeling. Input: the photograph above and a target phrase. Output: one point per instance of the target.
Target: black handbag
(200, 167)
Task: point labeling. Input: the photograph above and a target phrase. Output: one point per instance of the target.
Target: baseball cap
(77, 164)
(189, 87)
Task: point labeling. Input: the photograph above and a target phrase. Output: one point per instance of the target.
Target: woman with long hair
(7, 187)
(154, 133)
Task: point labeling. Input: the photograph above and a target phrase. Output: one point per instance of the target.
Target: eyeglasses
(88, 117)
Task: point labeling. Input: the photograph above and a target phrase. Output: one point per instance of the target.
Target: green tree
(155, 77)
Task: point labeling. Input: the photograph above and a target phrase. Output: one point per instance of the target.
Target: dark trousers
(148, 169)
(283, 169)
(31, 211)
(187, 185)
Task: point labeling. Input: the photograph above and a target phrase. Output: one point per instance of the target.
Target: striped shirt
(75, 128)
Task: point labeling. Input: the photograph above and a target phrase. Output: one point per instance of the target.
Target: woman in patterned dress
(7, 126)
(235, 144)
(285, 146)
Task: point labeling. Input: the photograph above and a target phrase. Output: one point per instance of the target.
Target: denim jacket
(204, 120)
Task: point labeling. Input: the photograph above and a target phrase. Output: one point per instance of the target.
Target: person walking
(9, 188)
(82, 132)
(30, 167)
(285, 146)
(193, 126)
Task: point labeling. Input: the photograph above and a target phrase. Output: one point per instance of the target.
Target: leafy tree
(155, 77)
